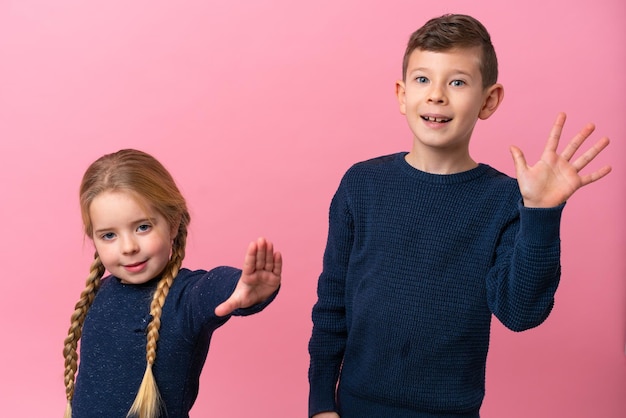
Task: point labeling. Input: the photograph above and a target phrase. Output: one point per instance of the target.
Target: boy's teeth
(439, 120)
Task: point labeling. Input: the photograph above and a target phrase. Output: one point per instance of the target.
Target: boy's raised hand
(555, 177)
(260, 277)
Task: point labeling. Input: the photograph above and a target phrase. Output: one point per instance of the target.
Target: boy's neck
(440, 164)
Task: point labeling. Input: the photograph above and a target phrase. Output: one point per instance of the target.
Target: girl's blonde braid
(147, 404)
(76, 328)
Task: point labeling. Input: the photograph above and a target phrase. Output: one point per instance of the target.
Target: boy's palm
(260, 277)
(554, 178)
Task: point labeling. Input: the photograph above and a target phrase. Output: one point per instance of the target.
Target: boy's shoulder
(382, 162)
(395, 162)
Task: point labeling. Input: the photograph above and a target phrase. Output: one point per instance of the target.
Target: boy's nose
(436, 94)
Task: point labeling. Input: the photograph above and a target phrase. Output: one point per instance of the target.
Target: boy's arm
(260, 278)
(522, 283)
(526, 271)
(328, 339)
(555, 177)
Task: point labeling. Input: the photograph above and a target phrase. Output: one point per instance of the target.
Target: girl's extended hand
(554, 178)
(260, 277)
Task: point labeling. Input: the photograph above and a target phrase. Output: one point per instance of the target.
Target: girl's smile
(132, 239)
(136, 267)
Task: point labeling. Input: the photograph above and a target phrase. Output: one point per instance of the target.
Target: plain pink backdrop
(257, 107)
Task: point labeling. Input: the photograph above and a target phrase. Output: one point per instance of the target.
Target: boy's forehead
(463, 58)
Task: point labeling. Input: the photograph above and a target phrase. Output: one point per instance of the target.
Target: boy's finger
(555, 133)
(577, 141)
(591, 153)
(518, 158)
(596, 175)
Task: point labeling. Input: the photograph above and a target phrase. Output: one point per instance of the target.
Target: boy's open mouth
(438, 120)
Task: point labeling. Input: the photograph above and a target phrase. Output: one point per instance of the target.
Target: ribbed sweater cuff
(540, 226)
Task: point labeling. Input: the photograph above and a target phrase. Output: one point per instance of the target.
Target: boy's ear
(401, 96)
(493, 97)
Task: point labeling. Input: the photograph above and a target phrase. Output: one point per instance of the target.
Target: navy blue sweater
(415, 264)
(113, 344)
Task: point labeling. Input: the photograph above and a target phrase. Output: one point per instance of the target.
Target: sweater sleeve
(328, 339)
(526, 273)
(205, 290)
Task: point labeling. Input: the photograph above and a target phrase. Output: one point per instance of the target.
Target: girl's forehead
(119, 204)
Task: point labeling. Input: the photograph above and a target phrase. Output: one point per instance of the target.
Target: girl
(138, 219)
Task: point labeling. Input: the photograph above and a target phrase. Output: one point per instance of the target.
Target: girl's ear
(493, 97)
(401, 95)
(174, 229)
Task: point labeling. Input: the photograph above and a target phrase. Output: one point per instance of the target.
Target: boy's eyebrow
(452, 71)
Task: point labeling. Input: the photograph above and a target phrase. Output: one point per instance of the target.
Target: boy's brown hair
(455, 31)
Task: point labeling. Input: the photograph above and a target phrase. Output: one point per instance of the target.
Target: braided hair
(140, 174)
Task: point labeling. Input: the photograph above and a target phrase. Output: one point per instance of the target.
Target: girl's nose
(129, 245)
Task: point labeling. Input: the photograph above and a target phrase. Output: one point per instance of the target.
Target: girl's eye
(144, 227)
(421, 79)
(457, 83)
(108, 236)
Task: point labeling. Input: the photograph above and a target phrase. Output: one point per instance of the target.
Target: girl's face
(133, 241)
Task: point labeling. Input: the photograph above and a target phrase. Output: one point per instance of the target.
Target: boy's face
(442, 97)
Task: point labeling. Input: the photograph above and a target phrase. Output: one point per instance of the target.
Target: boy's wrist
(540, 225)
(540, 204)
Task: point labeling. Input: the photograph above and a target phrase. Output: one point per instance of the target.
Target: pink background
(257, 107)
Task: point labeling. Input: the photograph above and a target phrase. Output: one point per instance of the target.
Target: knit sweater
(415, 264)
(113, 343)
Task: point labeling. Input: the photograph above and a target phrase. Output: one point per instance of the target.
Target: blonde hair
(144, 177)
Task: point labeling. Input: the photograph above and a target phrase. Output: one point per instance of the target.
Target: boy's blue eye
(457, 83)
(421, 79)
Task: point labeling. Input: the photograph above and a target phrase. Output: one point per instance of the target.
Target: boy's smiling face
(443, 96)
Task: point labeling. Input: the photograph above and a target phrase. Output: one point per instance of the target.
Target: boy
(424, 246)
